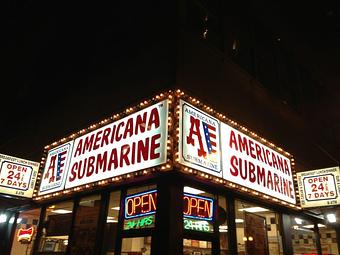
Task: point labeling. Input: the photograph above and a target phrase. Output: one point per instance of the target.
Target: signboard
(199, 140)
(198, 207)
(251, 164)
(133, 143)
(25, 235)
(17, 176)
(319, 187)
(140, 204)
(213, 147)
(56, 166)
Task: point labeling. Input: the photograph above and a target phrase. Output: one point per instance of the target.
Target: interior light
(3, 218)
(331, 217)
(116, 208)
(223, 228)
(11, 220)
(19, 220)
(298, 221)
(192, 190)
(254, 209)
(61, 211)
(239, 220)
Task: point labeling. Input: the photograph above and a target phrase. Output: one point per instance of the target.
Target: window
(257, 229)
(111, 226)
(85, 225)
(27, 222)
(303, 236)
(56, 228)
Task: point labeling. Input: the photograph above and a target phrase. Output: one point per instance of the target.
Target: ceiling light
(193, 190)
(298, 221)
(254, 209)
(3, 218)
(239, 220)
(331, 217)
(61, 211)
(115, 208)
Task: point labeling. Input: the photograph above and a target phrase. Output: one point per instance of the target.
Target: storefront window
(221, 216)
(25, 233)
(136, 246)
(140, 208)
(328, 241)
(56, 228)
(196, 247)
(198, 211)
(257, 230)
(85, 225)
(303, 236)
(110, 235)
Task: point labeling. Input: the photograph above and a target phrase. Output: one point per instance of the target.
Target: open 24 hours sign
(17, 176)
(319, 187)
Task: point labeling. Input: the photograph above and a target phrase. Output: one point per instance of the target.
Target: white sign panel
(251, 164)
(199, 145)
(56, 167)
(319, 187)
(133, 143)
(17, 176)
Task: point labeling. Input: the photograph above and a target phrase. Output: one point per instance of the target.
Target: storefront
(168, 176)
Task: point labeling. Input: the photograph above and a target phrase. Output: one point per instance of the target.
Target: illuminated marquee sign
(17, 176)
(140, 204)
(319, 187)
(143, 204)
(251, 164)
(25, 235)
(57, 162)
(144, 222)
(200, 140)
(245, 161)
(132, 143)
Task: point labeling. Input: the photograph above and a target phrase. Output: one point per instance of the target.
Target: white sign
(199, 145)
(17, 176)
(133, 143)
(319, 187)
(251, 164)
(56, 167)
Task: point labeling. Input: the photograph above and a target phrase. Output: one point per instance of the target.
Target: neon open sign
(142, 204)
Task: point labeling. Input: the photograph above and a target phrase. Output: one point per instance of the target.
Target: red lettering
(154, 146)
(154, 119)
(194, 130)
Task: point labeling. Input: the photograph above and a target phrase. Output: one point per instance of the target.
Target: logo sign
(57, 162)
(17, 176)
(140, 204)
(133, 143)
(319, 187)
(198, 207)
(251, 164)
(25, 235)
(199, 140)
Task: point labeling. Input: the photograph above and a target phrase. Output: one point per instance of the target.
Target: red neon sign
(198, 207)
(140, 204)
(25, 235)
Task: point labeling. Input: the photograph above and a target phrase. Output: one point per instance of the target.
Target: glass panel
(303, 236)
(109, 238)
(136, 246)
(198, 211)
(140, 207)
(329, 244)
(56, 228)
(25, 233)
(223, 226)
(85, 226)
(257, 230)
(196, 247)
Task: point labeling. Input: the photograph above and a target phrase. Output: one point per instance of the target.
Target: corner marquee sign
(216, 148)
(319, 187)
(17, 176)
(135, 142)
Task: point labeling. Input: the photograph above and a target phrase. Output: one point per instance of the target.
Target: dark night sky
(51, 82)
